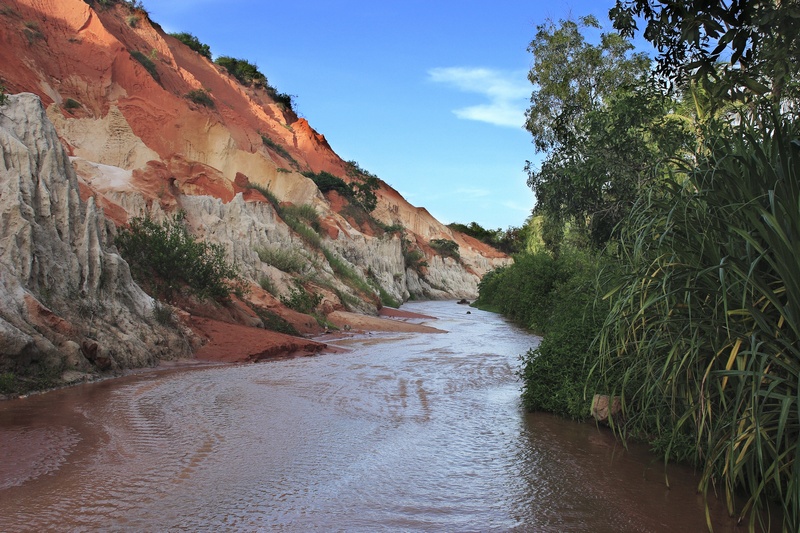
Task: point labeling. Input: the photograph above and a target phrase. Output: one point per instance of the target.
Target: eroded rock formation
(67, 299)
(137, 145)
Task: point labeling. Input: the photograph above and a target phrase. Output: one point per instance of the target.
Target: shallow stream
(405, 432)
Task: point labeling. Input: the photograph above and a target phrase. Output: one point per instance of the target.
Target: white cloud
(506, 91)
(473, 192)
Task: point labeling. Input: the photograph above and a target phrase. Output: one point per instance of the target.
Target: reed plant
(702, 341)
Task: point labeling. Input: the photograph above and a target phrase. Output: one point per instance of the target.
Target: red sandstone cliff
(140, 146)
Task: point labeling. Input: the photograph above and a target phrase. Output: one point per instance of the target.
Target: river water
(405, 432)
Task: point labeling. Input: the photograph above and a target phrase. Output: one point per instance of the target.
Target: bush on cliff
(165, 258)
(194, 43)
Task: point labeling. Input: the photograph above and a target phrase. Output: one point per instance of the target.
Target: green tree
(745, 46)
(604, 126)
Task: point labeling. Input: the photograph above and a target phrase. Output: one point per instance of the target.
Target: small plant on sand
(147, 63)
(200, 96)
(301, 300)
(162, 314)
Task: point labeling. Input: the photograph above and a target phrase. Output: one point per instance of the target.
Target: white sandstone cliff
(67, 300)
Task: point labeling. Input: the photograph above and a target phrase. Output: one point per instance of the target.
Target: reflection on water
(417, 432)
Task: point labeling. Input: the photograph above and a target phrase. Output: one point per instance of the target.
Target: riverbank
(233, 343)
(416, 432)
(229, 343)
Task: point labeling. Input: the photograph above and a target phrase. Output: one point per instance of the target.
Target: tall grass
(703, 338)
(285, 259)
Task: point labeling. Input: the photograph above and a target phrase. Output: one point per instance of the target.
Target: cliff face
(115, 88)
(66, 298)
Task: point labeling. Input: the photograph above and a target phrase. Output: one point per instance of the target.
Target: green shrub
(283, 99)
(301, 300)
(166, 257)
(200, 96)
(306, 213)
(345, 273)
(445, 247)
(147, 63)
(523, 291)
(265, 282)
(390, 228)
(132, 20)
(555, 373)
(325, 182)
(3, 95)
(247, 73)
(268, 194)
(413, 256)
(364, 185)
(32, 31)
(274, 322)
(69, 103)
(194, 43)
(286, 260)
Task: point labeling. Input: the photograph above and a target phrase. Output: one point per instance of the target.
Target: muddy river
(405, 432)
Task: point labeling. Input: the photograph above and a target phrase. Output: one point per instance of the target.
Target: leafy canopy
(604, 126)
(746, 47)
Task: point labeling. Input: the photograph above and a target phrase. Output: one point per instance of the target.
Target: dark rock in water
(469, 312)
(463, 301)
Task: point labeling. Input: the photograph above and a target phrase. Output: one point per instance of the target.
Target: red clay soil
(391, 312)
(232, 343)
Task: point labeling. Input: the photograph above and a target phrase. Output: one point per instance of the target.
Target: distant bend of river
(405, 432)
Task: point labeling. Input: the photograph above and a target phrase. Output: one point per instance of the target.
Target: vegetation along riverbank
(661, 263)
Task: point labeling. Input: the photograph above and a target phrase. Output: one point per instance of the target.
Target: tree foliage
(510, 241)
(745, 46)
(604, 126)
(572, 78)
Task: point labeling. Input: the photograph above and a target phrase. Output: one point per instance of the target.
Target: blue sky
(427, 94)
